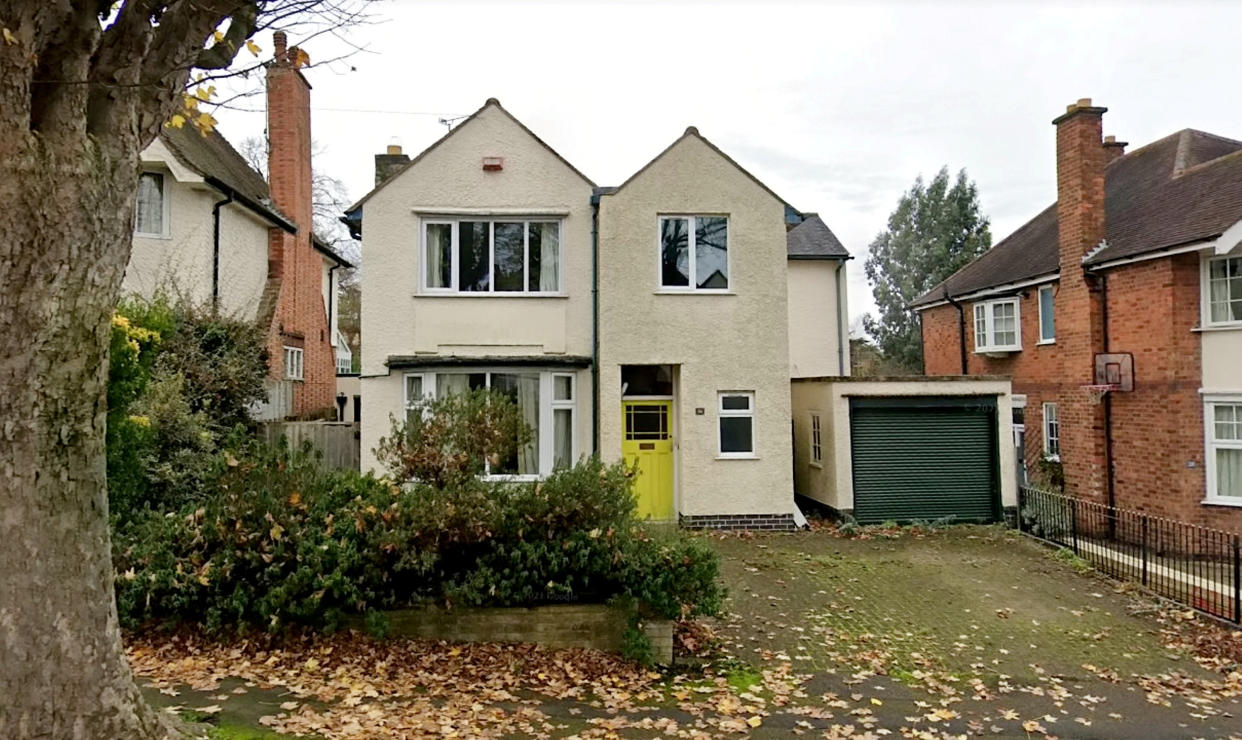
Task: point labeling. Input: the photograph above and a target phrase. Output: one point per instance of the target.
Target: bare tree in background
(84, 87)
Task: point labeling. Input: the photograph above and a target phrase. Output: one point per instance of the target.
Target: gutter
(264, 211)
(595, 324)
(215, 250)
(961, 327)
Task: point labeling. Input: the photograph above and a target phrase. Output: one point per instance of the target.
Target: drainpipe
(215, 251)
(961, 327)
(595, 323)
(843, 340)
(1110, 476)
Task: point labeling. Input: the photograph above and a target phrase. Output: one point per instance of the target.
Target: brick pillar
(1081, 159)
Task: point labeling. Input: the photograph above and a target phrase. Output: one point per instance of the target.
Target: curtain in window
(439, 255)
(1229, 472)
(524, 390)
(563, 442)
(149, 216)
(545, 252)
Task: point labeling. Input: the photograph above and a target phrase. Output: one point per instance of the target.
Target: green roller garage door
(924, 459)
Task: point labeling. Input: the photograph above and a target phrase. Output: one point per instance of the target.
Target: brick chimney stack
(288, 142)
(1081, 161)
(1113, 148)
(387, 164)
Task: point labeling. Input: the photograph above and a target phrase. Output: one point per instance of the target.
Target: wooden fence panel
(339, 442)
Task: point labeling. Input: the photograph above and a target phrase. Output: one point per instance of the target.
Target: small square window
(695, 246)
(736, 430)
(294, 363)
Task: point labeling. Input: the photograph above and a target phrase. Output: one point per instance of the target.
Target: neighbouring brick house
(1139, 255)
(211, 230)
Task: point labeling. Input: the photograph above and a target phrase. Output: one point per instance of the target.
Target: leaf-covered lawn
(959, 632)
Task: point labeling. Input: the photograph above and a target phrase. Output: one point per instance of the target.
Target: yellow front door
(647, 441)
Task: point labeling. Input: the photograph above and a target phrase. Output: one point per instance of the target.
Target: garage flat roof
(904, 379)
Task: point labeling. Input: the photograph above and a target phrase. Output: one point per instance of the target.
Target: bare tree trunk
(65, 230)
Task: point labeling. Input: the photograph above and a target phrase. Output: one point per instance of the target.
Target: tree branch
(222, 53)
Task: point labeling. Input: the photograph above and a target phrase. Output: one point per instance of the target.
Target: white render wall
(448, 180)
(181, 264)
(733, 342)
(832, 483)
(815, 325)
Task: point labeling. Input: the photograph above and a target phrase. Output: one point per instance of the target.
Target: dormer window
(996, 326)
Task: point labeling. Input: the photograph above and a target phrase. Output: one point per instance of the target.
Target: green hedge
(282, 541)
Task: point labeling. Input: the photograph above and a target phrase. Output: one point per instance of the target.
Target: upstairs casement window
(1224, 290)
(1047, 315)
(694, 253)
(151, 206)
(996, 326)
(498, 256)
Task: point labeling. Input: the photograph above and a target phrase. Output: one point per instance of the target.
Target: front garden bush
(278, 540)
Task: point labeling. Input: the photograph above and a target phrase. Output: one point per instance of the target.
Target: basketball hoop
(1096, 393)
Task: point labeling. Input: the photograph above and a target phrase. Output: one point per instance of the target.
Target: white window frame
(165, 205)
(748, 413)
(1043, 422)
(561, 405)
(988, 308)
(1044, 338)
(295, 363)
(1205, 289)
(1211, 444)
(817, 440)
(454, 225)
(546, 452)
(690, 254)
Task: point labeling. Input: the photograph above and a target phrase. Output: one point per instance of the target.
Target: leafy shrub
(445, 441)
(180, 382)
(283, 541)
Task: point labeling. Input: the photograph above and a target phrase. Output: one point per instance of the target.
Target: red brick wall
(1157, 430)
(301, 318)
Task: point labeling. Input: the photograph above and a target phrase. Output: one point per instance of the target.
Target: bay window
(545, 400)
(1223, 419)
(996, 326)
(497, 256)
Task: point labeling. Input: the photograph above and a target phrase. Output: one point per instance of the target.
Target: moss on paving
(965, 601)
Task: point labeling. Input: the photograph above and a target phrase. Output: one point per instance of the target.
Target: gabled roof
(1178, 190)
(692, 131)
(813, 240)
(213, 157)
(491, 103)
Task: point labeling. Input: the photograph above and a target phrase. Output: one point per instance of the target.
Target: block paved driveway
(966, 630)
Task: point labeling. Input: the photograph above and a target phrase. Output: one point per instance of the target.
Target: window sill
(1235, 326)
(140, 235)
(737, 457)
(1222, 502)
(818, 465)
(510, 478)
(674, 291)
(997, 352)
(1043, 342)
(472, 295)
(1052, 458)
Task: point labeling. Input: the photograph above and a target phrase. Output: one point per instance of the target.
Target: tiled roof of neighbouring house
(1184, 188)
(212, 156)
(813, 240)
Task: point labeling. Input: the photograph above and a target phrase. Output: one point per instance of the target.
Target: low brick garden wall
(593, 626)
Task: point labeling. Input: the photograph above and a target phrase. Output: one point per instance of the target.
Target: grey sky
(836, 107)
